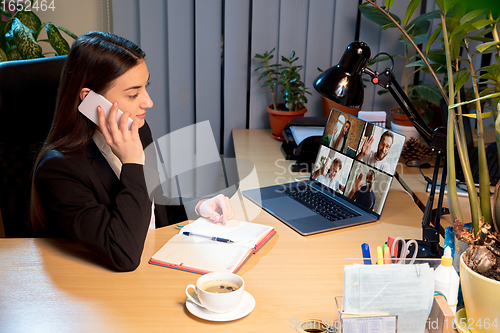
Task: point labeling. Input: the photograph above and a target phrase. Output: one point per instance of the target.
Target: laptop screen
(357, 159)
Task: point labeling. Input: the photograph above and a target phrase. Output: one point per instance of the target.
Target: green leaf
(435, 14)
(429, 93)
(481, 48)
(432, 38)
(29, 19)
(488, 82)
(4, 12)
(437, 56)
(445, 5)
(374, 15)
(419, 28)
(461, 80)
(3, 56)
(456, 39)
(388, 4)
(418, 63)
(481, 24)
(420, 39)
(410, 10)
(471, 15)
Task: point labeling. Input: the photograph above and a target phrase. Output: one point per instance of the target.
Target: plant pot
(400, 118)
(329, 104)
(279, 119)
(482, 300)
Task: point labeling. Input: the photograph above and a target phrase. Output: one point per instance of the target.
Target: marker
(380, 256)
(390, 241)
(217, 239)
(366, 254)
(387, 255)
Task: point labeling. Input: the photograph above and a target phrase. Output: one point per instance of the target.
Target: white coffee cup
(218, 302)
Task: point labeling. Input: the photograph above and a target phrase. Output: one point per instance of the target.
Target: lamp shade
(342, 83)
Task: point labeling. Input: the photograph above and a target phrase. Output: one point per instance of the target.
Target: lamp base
(426, 250)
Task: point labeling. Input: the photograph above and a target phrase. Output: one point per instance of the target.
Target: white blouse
(116, 165)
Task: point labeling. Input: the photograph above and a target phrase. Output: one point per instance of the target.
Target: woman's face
(347, 126)
(129, 90)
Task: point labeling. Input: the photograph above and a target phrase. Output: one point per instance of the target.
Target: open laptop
(346, 186)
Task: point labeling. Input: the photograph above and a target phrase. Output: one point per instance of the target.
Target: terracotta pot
(279, 119)
(399, 118)
(482, 300)
(329, 104)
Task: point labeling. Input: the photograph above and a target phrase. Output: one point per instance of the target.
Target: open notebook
(202, 255)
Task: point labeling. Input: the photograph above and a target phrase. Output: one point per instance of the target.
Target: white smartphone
(88, 107)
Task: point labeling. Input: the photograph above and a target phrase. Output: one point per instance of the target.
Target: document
(403, 290)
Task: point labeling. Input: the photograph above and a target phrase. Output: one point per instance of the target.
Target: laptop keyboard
(321, 204)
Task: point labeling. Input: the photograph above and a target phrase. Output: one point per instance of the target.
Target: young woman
(89, 181)
(340, 140)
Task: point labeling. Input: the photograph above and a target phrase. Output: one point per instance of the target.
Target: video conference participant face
(384, 145)
(335, 168)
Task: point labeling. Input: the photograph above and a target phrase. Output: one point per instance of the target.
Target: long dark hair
(95, 60)
(345, 135)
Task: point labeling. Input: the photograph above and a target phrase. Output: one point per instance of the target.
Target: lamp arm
(387, 80)
(437, 143)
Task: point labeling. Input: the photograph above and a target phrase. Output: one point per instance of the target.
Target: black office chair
(28, 90)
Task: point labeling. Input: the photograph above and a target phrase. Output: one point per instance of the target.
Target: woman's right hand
(125, 144)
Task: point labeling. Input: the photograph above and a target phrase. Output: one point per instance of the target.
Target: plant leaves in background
(483, 47)
(3, 56)
(29, 19)
(411, 10)
(432, 38)
(58, 43)
(388, 4)
(374, 15)
(461, 80)
(471, 15)
(429, 93)
(26, 44)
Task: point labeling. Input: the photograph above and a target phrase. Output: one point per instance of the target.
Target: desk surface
(56, 286)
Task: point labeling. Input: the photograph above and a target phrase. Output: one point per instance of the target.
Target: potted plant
(293, 91)
(460, 25)
(425, 97)
(20, 32)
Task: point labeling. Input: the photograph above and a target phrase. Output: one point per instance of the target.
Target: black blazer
(83, 199)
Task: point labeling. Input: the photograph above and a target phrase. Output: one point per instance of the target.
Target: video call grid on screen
(340, 160)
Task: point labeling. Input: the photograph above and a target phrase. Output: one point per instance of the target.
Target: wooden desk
(50, 285)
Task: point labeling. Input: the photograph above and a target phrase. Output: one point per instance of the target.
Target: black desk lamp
(343, 85)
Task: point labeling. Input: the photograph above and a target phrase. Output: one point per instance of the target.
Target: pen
(366, 254)
(217, 239)
(380, 256)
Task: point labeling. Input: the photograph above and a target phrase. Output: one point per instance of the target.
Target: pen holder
(396, 296)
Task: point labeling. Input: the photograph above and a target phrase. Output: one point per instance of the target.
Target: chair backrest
(28, 91)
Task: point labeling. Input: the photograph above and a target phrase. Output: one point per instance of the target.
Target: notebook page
(244, 233)
(202, 254)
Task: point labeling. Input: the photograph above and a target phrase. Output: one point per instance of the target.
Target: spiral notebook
(202, 255)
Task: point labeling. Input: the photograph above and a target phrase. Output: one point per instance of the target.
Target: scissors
(404, 250)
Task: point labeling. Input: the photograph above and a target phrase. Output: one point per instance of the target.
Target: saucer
(246, 306)
(460, 315)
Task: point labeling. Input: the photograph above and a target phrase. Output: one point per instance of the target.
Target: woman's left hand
(217, 209)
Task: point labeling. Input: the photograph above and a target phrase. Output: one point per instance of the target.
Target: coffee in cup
(219, 287)
(218, 292)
